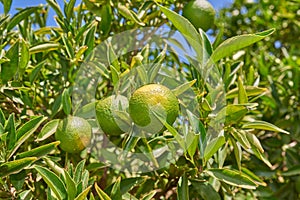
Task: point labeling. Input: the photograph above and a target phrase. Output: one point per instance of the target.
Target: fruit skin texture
(200, 13)
(153, 98)
(74, 134)
(106, 112)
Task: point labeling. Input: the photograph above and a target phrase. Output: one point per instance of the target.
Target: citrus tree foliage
(275, 65)
(251, 155)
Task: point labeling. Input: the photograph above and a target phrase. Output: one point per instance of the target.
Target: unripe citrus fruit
(200, 13)
(109, 111)
(150, 101)
(74, 134)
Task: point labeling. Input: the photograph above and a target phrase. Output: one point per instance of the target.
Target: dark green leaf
(206, 191)
(9, 69)
(183, 188)
(116, 190)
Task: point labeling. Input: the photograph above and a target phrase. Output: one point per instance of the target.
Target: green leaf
(11, 129)
(83, 194)
(39, 151)
(44, 47)
(129, 14)
(9, 69)
(102, 195)
(241, 137)
(116, 190)
(183, 188)
(21, 15)
(13, 167)
(2, 118)
(78, 171)
(7, 6)
(264, 126)
(53, 182)
(206, 191)
(242, 95)
(106, 19)
(69, 9)
(25, 132)
(56, 8)
(66, 102)
(237, 152)
(261, 156)
(48, 129)
(254, 142)
(232, 177)
(250, 91)
(233, 44)
(70, 186)
(213, 146)
(24, 57)
(182, 24)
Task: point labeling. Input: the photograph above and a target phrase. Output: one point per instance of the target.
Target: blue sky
(26, 3)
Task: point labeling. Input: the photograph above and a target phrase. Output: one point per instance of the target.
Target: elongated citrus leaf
(79, 171)
(233, 44)
(213, 146)
(23, 14)
(102, 195)
(9, 69)
(182, 24)
(44, 47)
(106, 19)
(6, 5)
(53, 182)
(39, 151)
(26, 131)
(11, 129)
(66, 102)
(83, 194)
(250, 91)
(254, 142)
(241, 137)
(70, 185)
(56, 8)
(264, 126)
(13, 167)
(183, 188)
(261, 156)
(254, 177)
(242, 94)
(232, 177)
(24, 57)
(48, 130)
(116, 190)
